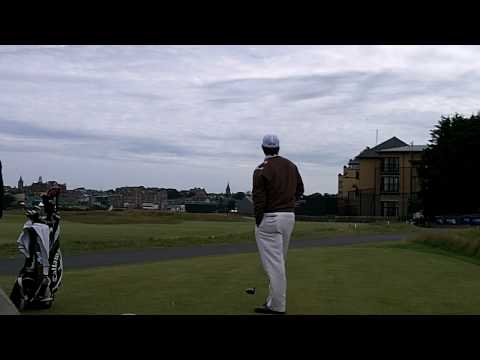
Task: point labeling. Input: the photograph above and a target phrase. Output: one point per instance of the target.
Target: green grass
(366, 279)
(96, 231)
(144, 217)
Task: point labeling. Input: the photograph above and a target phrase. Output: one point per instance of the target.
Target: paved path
(121, 257)
(6, 306)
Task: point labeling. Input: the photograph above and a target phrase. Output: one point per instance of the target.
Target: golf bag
(39, 241)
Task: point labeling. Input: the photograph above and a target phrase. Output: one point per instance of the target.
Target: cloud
(196, 114)
(32, 130)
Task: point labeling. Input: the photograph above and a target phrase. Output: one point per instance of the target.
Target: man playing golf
(277, 185)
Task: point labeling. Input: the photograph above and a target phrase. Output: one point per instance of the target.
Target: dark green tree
(238, 195)
(317, 205)
(231, 205)
(449, 167)
(8, 200)
(221, 205)
(1, 191)
(173, 194)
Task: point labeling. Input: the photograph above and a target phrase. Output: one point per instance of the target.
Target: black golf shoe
(265, 310)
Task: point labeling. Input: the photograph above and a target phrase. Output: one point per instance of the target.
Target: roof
(390, 143)
(413, 148)
(367, 153)
(354, 162)
(393, 144)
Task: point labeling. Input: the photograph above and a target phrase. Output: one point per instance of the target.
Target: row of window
(390, 184)
(391, 165)
(389, 208)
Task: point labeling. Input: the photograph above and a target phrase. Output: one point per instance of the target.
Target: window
(391, 165)
(390, 184)
(357, 175)
(389, 208)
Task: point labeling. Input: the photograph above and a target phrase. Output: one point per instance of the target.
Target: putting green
(364, 279)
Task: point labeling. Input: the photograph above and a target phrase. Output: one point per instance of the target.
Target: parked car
(451, 221)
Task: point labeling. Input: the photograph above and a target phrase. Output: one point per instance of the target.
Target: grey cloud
(93, 143)
(324, 156)
(228, 100)
(349, 88)
(143, 96)
(26, 49)
(31, 130)
(286, 88)
(150, 146)
(182, 105)
(24, 147)
(30, 77)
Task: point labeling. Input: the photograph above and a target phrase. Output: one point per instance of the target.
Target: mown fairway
(95, 231)
(363, 279)
(400, 278)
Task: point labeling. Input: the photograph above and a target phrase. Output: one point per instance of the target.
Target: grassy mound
(464, 242)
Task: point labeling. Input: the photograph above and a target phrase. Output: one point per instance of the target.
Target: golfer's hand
(258, 219)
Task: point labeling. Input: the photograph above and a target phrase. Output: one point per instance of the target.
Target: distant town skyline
(102, 117)
(21, 183)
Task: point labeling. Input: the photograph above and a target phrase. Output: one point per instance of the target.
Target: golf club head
(250, 291)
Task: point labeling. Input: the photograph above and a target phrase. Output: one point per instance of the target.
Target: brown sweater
(277, 185)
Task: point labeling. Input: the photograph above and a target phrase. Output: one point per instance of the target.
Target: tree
(448, 169)
(1, 191)
(238, 195)
(318, 205)
(231, 205)
(173, 194)
(8, 200)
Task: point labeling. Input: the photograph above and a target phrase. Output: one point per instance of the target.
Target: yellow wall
(367, 174)
(406, 171)
(369, 184)
(347, 181)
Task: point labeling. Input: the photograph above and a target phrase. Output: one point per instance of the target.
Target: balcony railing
(390, 170)
(390, 191)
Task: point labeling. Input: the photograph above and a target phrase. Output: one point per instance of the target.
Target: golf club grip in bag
(50, 207)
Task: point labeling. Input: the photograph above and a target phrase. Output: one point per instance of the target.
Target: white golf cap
(270, 141)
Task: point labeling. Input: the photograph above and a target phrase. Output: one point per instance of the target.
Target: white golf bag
(42, 273)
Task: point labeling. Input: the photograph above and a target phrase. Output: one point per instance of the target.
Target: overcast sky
(186, 116)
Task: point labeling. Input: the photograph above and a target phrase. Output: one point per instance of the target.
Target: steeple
(40, 180)
(20, 183)
(227, 190)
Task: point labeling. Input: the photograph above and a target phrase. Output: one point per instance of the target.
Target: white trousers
(273, 238)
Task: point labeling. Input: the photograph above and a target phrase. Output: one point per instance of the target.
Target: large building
(381, 181)
(40, 187)
(134, 196)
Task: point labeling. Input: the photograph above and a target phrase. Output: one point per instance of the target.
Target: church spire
(227, 190)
